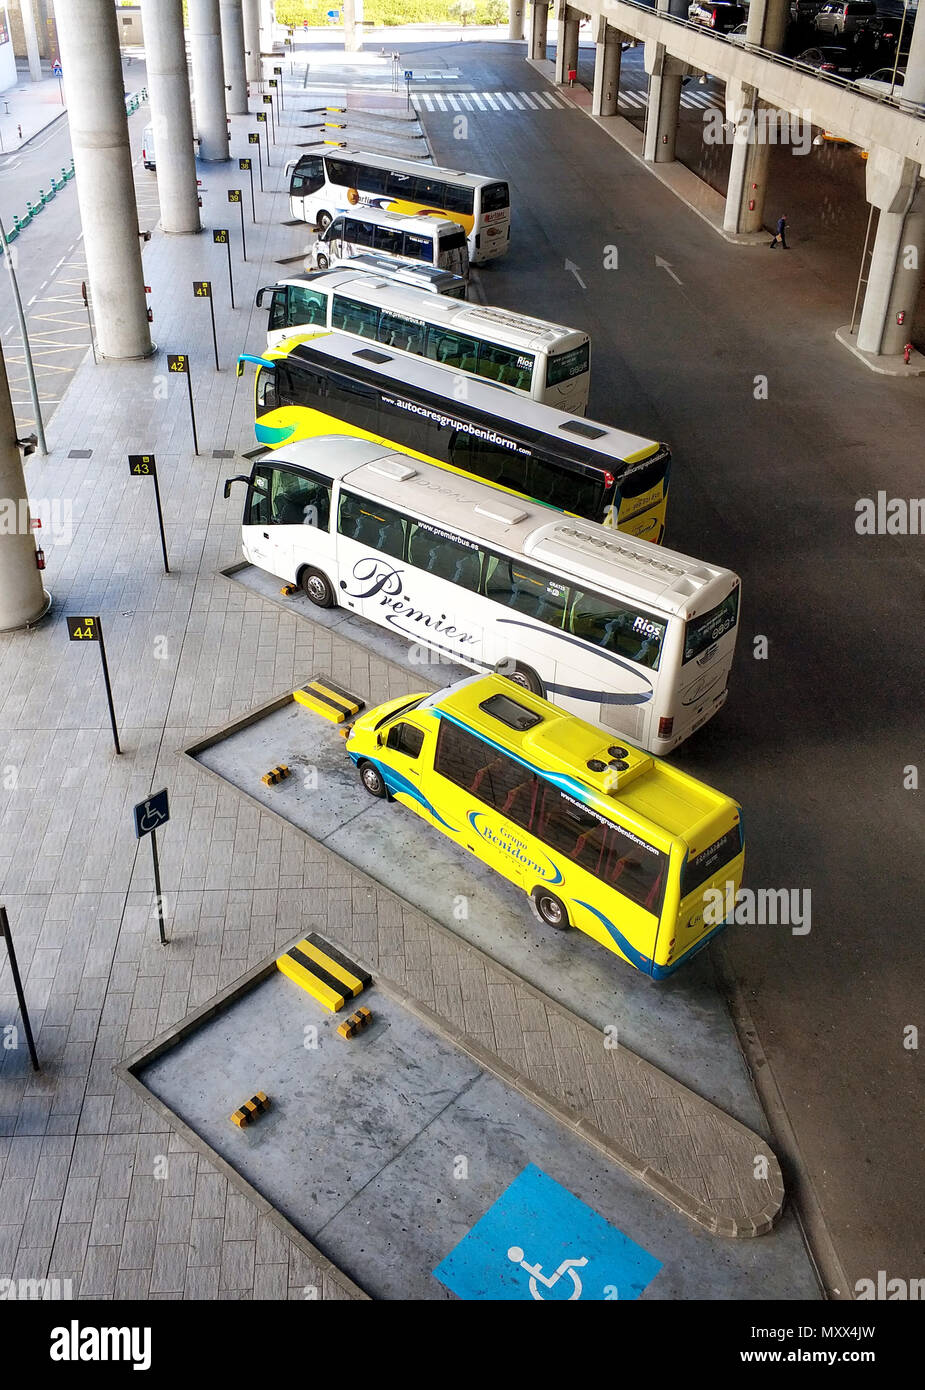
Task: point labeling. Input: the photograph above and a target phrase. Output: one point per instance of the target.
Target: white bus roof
(407, 273)
(502, 326)
(496, 400)
(412, 166)
(675, 584)
(408, 221)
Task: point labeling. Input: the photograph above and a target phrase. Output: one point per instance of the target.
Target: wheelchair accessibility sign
(539, 1242)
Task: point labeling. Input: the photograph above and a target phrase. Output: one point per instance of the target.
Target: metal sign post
(234, 196)
(202, 289)
(254, 139)
(58, 71)
(144, 466)
(409, 74)
(179, 362)
(86, 300)
(268, 101)
(247, 167)
(273, 83)
(17, 985)
(279, 74)
(262, 117)
(149, 815)
(90, 630)
(221, 238)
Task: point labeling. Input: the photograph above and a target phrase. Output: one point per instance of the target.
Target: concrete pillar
(608, 52)
(23, 598)
(913, 88)
(251, 15)
(171, 117)
(895, 275)
(208, 78)
(567, 45)
(30, 30)
(515, 25)
(351, 11)
(748, 165)
(767, 23)
(539, 23)
(664, 103)
(89, 39)
(232, 24)
(267, 25)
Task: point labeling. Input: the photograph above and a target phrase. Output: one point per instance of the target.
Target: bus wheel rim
(316, 587)
(551, 909)
(370, 777)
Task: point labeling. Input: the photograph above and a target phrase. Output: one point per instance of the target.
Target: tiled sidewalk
(92, 1187)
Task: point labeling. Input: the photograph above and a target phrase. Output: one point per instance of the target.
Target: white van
(397, 236)
(147, 148)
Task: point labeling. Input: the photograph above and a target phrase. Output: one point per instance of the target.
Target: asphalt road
(814, 739)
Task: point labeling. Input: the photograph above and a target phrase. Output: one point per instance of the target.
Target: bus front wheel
(523, 675)
(323, 220)
(373, 780)
(551, 909)
(321, 261)
(317, 589)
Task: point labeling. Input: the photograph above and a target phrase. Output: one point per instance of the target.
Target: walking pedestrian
(781, 234)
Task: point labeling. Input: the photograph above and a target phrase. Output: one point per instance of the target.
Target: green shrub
(393, 12)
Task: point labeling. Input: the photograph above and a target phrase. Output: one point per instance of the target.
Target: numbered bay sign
(83, 629)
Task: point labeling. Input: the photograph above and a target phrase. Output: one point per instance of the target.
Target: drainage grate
(80, 454)
(223, 453)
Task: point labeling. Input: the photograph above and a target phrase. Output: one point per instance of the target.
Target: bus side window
(452, 349)
(268, 388)
(335, 231)
(450, 560)
(279, 314)
(388, 240)
(371, 524)
(305, 307)
(405, 738)
(396, 332)
(258, 499)
(308, 176)
(527, 590)
(292, 498)
(617, 629)
(418, 248)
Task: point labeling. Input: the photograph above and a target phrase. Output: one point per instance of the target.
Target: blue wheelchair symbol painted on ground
(540, 1242)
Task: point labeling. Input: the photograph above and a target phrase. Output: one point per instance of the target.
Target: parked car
(837, 61)
(738, 34)
(845, 17)
(718, 15)
(805, 11)
(883, 83)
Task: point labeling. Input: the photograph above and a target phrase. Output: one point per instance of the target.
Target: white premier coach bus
(320, 186)
(636, 638)
(542, 360)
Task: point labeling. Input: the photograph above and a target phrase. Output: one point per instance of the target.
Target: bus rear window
(452, 241)
(709, 861)
(565, 365)
(495, 196)
(702, 632)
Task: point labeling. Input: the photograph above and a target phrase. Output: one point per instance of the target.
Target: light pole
(30, 369)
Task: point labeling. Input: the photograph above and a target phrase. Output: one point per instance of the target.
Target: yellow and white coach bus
(609, 627)
(599, 836)
(334, 385)
(321, 185)
(530, 356)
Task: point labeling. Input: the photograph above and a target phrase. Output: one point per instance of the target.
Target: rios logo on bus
(505, 839)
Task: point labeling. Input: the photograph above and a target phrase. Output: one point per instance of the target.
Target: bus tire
(373, 780)
(323, 220)
(321, 261)
(317, 589)
(523, 675)
(550, 909)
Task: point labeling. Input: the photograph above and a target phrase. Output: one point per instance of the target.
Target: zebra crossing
(490, 101)
(539, 101)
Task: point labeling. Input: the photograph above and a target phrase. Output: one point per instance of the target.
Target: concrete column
(539, 23)
(267, 25)
(913, 88)
(515, 25)
(895, 275)
(664, 104)
(748, 166)
(251, 15)
(350, 13)
(171, 117)
(208, 78)
(567, 46)
(23, 598)
(232, 24)
(89, 40)
(767, 23)
(608, 52)
(27, 9)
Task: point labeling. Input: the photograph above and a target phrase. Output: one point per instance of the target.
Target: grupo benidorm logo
(505, 839)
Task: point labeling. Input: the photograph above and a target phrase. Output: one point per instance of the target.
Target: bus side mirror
(239, 369)
(380, 740)
(226, 493)
(266, 289)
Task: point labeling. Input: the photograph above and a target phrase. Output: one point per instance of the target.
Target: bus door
(306, 178)
(287, 520)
